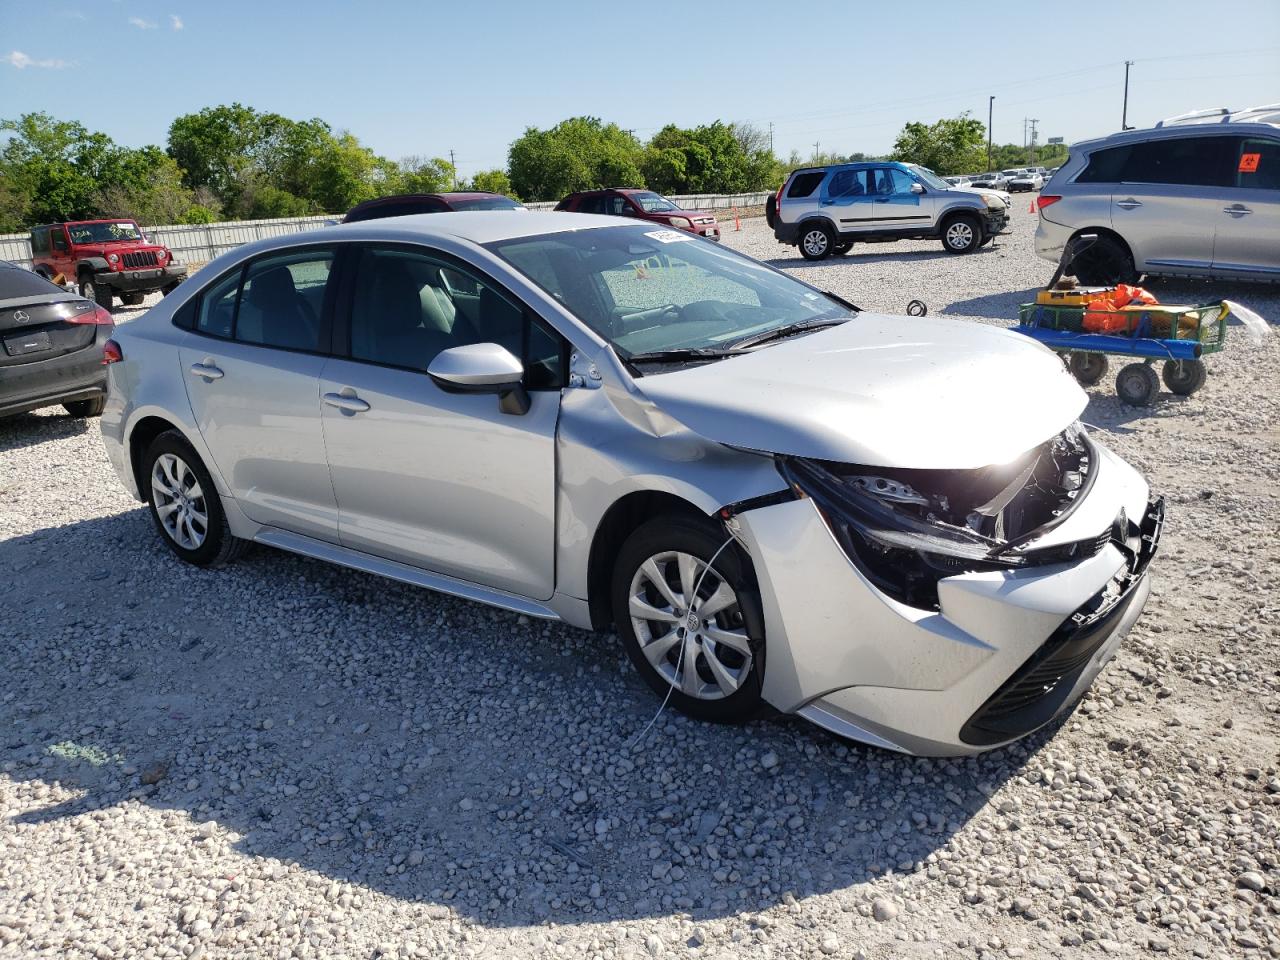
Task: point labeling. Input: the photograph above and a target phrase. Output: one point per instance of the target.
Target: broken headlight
(908, 529)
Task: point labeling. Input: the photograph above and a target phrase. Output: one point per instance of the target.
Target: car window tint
(889, 181)
(1258, 164)
(803, 184)
(617, 206)
(407, 307)
(218, 306)
(1187, 161)
(280, 304)
(40, 240)
(848, 183)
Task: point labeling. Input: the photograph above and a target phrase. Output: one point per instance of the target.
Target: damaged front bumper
(1003, 652)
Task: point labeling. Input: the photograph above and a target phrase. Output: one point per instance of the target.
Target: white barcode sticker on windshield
(668, 236)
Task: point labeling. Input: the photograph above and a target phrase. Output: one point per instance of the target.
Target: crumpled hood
(881, 390)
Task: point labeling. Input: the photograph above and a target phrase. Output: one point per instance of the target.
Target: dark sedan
(51, 346)
(408, 204)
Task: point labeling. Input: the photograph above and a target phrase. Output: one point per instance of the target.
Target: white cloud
(142, 24)
(20, 60)
(175, 21)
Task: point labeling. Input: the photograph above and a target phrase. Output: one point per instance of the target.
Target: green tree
(948, 146)
(145, 184)
(492, 181)
(419, 174)
(54, 169)
(576, 154)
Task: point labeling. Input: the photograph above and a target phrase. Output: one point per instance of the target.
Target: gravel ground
(285, 759)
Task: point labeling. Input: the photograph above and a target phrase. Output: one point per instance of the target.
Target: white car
(1023, 182)
(770, 496)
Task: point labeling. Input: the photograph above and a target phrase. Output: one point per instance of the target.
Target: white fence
(200, 243)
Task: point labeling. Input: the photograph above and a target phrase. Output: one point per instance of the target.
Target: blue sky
(424, 78)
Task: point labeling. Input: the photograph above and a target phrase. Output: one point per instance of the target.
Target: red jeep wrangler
(104, 258)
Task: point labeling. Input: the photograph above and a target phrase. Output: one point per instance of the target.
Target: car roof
(1221, 129)
(479, 226)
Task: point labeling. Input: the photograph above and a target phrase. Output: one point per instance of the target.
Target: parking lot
(285, 758)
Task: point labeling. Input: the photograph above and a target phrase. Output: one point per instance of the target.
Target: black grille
(143, 258)
(1038, 690)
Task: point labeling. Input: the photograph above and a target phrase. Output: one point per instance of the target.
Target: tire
(842, 248)
(86, 408)
(729, 694)
(816, 241)
(1087, 368)
(962, 234)
(99, 294)
(1103, 263)
(180, 468)
(771, 209)
(1137, 384)
(1183, 377)
(132, 299)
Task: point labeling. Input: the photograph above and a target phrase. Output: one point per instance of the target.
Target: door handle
(1237, 210)
(346, 402)
(207, 370)
(1129, 204)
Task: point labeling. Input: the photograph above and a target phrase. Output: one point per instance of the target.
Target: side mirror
(917, 188)
(482, 368)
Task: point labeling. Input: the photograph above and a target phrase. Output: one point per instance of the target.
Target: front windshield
(103, 232)
(648, 290)
(930, 178)
(486, 203)
(653, 203)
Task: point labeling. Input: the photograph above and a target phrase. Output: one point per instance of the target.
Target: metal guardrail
(200, 243)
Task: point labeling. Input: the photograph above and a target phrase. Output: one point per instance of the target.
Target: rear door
(252, 368)
(1247, 241)
(1168, 202)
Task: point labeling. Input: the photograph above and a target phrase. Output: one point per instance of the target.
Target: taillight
(1046, 201)
(111, 353)
(99, 316)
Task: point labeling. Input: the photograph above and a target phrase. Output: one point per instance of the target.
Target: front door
(442, 481)
(252, 367)
(1247, 240)
(888, 202)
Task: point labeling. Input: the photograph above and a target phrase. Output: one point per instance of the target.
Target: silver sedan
(894, 527)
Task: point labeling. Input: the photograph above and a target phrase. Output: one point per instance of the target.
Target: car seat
(274, 313)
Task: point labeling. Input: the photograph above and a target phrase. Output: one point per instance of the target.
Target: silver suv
(823, 210)
(1194, 196)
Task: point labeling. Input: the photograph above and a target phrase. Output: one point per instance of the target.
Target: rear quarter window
(1258, 165)
(803, 184)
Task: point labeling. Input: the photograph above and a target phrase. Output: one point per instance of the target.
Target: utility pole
(1024, 134)
(455, 170)
(815, 151)
(991, 101)
(1124, 115)
(771, 138)
(1032, 161)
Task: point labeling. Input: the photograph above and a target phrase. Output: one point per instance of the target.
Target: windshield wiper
(790, 329)
(683, 355)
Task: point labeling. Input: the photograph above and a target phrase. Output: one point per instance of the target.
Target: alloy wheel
(815, 242)
(179, 501)
(689, 625)
(960, 235)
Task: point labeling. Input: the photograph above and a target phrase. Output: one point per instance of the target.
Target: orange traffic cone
(1032, 208)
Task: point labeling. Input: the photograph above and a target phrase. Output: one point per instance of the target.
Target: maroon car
(407, 204)
(643, 205)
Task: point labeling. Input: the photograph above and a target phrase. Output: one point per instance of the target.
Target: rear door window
(282, 300)
(803, 184)
(1258, 165)
(1184, 161)
(591, 204)
(845, 184)
(217, 312)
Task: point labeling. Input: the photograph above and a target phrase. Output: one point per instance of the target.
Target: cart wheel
(1137, 384)
(917, 308)
(1184, 377)
(1087, 368)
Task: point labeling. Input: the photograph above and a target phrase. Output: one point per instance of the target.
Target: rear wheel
(1088, 368)
(1183, 377)
(1103, 263)
(97, 292)
(681, 616)
(961, 235)
(816, 241)
(185, 505)
(1137, 384)
(86, 408)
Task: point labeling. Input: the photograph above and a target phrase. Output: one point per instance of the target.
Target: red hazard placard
(1249, 162)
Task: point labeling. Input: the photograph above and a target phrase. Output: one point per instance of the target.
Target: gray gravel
(285, 759)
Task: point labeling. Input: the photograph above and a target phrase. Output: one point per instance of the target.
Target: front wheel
(961, 235)
(1184, 377)
(816, 242)
(1137, 384)
(99, 293)
(684, 618)
(185, 504)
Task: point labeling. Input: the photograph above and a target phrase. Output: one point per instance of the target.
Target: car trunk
(35, 328)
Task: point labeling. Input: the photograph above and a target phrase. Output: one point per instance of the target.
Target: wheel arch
(1110, 234)
(623, 518)
(140, 438)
